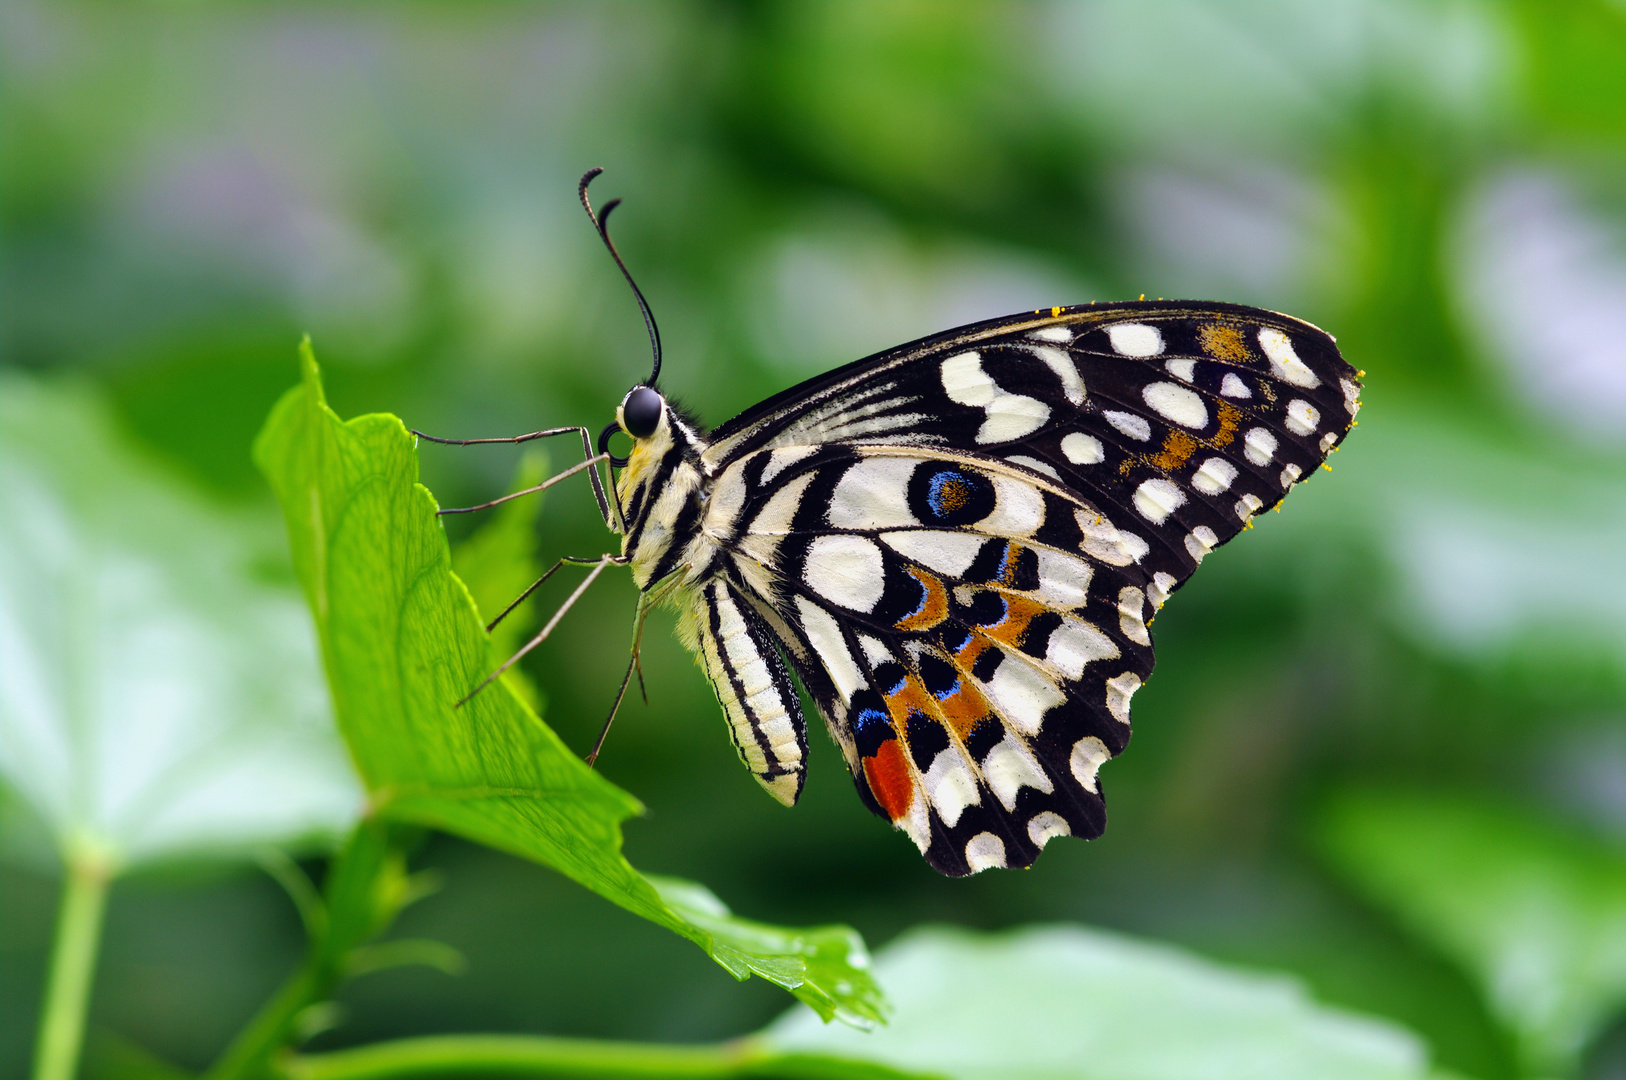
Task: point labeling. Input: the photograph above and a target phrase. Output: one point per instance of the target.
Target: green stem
(73, 964)
(271, 1027)
(522, 1055)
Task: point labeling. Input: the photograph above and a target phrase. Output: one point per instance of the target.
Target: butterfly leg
(542, 634)
(543, 486)
(632, 667)
(590, 462)
(568, 560)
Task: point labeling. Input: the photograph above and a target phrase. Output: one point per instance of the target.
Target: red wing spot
(888, 775)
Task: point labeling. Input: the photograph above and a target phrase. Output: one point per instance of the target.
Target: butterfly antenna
(601, 222)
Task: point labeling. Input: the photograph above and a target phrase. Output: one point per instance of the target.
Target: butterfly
(957, 545)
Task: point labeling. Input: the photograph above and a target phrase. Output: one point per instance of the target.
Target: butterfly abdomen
(745, 669)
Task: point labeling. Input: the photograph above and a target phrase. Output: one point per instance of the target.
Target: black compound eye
(641, 412)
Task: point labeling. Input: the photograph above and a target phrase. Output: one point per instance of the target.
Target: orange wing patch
(1224, 342)
(933, 607)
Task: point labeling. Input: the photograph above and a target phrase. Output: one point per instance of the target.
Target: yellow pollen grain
(1055, 312)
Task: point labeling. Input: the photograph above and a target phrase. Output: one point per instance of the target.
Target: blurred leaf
(1572, 53)
(161, 694)
(402, 643)
(1536, 914)
(1064, 1001)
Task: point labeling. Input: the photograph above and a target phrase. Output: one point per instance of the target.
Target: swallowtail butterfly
(957, 545)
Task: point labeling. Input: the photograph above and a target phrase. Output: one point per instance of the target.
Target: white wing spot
(825, 636)
(1290, 474)
(1259, 446)
(1136, 427)
(1233, 386)
(875, 650)
(1076, 643)
(965, 382)
(1101, 540)
(1047, 824)
(775, 518)
(1283, 360)
(1035, 464)
(1089, 753)
(871, 495)
(1119, 691)
(984, 851)
(1134, 545)
(1162, 585)
(1082, 449)
(1327, 440)
(1302, 417)
(1352, 396)
(1009, 768)
(1131, 619)
(1183, 368)
(845, 570)
(1064, 580)
(949, 553)
(781, 459)
(950, 786)
(1059, 362)
(1018, 508)
(1157, 499)
(1059, 334)
(1177, 404)
(1023, 695)
(1135, 339)
(1247, 506)
(1213, 476)
(1009, 416)
(1012, 416)
(1200, 541)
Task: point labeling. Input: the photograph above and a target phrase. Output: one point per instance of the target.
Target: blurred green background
(1438, 625)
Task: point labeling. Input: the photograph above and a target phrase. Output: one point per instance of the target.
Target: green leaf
(161, 694)
(403, 642)
(499, 561)
(1066, 1001)
(1534, 913)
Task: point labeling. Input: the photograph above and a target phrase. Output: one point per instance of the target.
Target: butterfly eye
(641, 412)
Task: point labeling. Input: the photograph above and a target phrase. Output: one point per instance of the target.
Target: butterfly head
(641, 412)
(643, 416)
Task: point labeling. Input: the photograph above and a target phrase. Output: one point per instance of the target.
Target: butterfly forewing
(959, 544)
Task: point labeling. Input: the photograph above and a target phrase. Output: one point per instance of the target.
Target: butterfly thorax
(663, 492)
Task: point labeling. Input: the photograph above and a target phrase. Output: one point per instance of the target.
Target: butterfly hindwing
(974, 661)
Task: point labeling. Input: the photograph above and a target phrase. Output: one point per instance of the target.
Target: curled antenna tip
(601, 224)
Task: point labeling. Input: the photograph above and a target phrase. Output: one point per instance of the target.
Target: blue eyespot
(944, 495)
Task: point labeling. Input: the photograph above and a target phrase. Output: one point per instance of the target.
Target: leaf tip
(310, 374)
